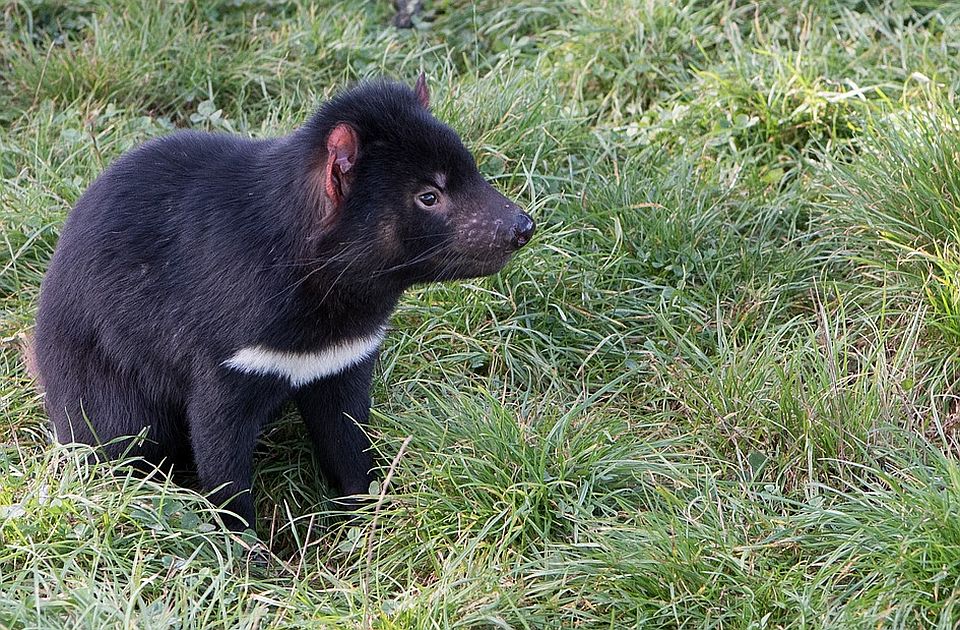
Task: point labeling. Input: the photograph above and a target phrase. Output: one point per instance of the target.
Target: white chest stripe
(303, 367)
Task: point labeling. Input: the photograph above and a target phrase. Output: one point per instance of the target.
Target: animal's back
(139, 250)
(168, 188)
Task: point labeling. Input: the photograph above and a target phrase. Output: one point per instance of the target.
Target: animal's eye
(428, 199)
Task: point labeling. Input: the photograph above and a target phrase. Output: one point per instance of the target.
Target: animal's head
(398, 187)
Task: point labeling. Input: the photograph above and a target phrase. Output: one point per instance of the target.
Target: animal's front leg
(335, 410)
(224, 426)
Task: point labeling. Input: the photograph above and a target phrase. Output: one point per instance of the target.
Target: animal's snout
(523, 228)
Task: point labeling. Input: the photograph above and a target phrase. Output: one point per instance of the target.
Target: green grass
(719, 389)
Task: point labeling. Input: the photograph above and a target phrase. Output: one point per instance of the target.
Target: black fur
(196, 245)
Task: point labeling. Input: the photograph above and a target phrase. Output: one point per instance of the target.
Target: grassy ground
(718, 390)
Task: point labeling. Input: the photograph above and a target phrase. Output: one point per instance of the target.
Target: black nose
(523, 228)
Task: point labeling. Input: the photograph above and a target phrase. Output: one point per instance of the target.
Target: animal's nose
(523, 228)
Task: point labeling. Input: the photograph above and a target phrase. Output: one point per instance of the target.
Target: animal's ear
(422, 91)
(342, 149)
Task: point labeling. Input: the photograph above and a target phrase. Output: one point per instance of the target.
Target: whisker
(422, 257)
(326, 263)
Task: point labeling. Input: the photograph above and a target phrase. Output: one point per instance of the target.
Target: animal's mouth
(484, 265)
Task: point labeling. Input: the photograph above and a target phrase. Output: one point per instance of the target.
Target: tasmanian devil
(203, 280)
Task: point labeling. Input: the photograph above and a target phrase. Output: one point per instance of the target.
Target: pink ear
(422, 92)
(342, 149)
